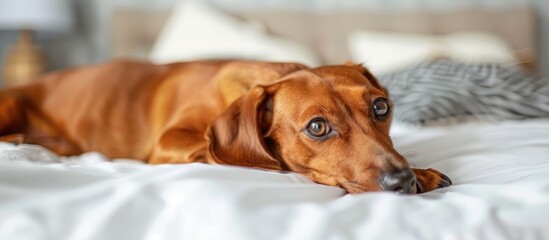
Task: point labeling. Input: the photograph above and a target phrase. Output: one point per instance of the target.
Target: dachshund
(330, 124)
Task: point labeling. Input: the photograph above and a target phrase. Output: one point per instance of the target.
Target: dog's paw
(13, 138)
(430, 179)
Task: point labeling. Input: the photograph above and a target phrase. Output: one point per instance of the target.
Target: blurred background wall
(90, 41)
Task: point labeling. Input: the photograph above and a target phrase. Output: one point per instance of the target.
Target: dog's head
(330, 124)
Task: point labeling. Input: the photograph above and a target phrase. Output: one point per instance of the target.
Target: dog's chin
(354, 188)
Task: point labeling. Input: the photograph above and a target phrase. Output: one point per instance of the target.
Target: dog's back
(97, 108)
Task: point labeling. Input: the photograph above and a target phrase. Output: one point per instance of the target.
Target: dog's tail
(12, 110)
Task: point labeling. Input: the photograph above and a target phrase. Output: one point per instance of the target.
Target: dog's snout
(401, 181)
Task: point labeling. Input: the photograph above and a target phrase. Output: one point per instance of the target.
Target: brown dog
(330, 124)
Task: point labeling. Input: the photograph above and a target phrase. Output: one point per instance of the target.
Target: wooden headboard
(326, 32)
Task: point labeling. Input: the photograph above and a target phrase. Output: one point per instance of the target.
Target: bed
(499, 164)
(501, 191)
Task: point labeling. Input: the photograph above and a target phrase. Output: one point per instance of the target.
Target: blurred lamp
(24, 61)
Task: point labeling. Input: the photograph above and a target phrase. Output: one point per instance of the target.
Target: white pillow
(197, 31)
(385, 52)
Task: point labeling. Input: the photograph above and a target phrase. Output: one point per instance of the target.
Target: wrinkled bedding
(500, 173)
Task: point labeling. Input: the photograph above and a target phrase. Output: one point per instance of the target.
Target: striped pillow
(442, 89)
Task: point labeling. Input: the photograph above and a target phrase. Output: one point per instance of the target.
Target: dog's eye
(381, 107)
(318, 128)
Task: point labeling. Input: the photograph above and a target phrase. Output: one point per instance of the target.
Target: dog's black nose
(401, 181)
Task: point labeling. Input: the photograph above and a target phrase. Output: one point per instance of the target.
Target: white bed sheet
(501, 191)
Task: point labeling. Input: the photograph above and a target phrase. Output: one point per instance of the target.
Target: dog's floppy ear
(365, 72)
(236, 137)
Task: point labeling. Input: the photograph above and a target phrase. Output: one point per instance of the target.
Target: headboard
(327, 32)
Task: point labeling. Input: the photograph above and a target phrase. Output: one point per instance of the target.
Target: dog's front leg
(179, 146)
